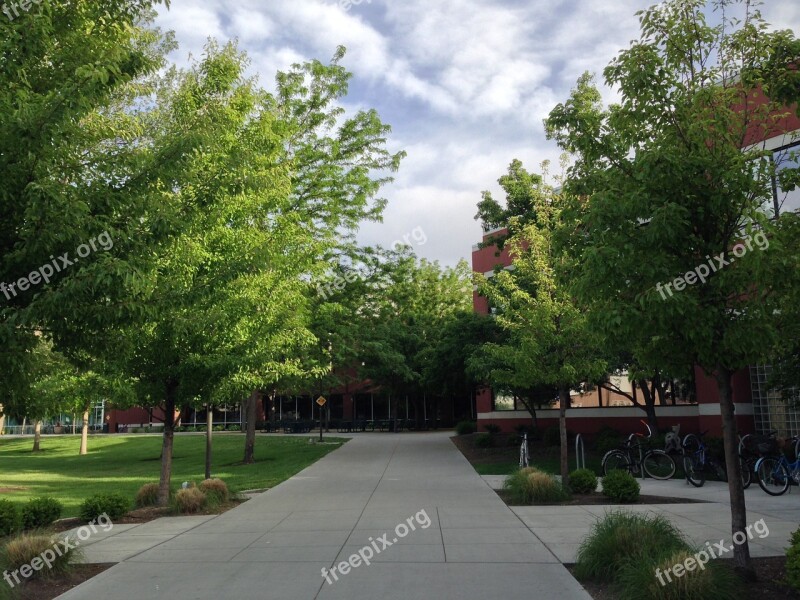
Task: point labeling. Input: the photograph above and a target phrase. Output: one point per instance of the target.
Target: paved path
(275, 545)
(562, 528)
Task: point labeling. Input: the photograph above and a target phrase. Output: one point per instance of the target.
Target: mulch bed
(770, 571)
(500, 453)
(47, 589)
(600, 500)
(144, 515)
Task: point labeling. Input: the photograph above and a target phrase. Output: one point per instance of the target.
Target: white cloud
(464, 83)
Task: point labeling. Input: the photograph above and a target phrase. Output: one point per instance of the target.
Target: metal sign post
(321, 402)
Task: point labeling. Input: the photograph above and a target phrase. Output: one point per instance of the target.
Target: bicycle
(775, 473)
(523, 452)
(696, 461)
(655, 463)
(751, 448)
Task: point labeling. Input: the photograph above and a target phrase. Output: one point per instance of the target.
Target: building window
(504, 402)
(770, 411)
(787, 161)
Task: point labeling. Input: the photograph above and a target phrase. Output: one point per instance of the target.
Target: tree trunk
(37, 435)
(209, 428)
(741, 552)
(563, 404)
(2, 420)
(250, 437)
(649, 405)
(74, 423)
(84, 433)
(167, 443)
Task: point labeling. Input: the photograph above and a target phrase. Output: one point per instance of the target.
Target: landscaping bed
(47, 589)
(770, 571)
(502, 458)
(599, 499)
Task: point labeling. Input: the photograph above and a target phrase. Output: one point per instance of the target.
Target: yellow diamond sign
(321, 400)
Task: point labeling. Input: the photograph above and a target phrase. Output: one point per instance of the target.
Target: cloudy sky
(464, 84)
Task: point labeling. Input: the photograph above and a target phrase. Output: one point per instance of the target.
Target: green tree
(550, 342)
(65, 179)
(520, 188)
(408, 302)
(665, 187)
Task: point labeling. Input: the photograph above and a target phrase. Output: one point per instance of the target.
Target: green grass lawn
(123, 463)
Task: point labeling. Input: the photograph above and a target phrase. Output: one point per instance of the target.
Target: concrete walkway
(562, 528)
(276, 545)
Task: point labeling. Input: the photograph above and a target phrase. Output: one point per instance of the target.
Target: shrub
(514, 440)
(26, 547)
(190, 500)
(531, 486)
(218, 428)
(551, 437)
(9, 518)
(518, 485)
(484, 440)
(583, 481)
(492, 428)
(646, 579)
(112, 505)
(466, 427)
(234, 428)
(621, 537)
(607, 438)
(41, 512)
(545, 488)
(147, 495)
(621, 487)
(215, 488)
(793, 561)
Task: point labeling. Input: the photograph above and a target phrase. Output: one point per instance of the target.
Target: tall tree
(62, 65)
(667, 186)
(549, 333)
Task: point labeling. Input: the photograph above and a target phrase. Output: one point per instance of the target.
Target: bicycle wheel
(691, 444)
(772, 476)
(695, 474)
(615, 460)
(658, 464)
(746, 467)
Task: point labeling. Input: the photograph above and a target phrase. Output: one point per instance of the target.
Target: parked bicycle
(697, 461)
(635, 457)
(753, 447)
(775, 473)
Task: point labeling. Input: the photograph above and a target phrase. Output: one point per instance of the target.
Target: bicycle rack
(580, 458)
(523, 452)
(641, 460)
